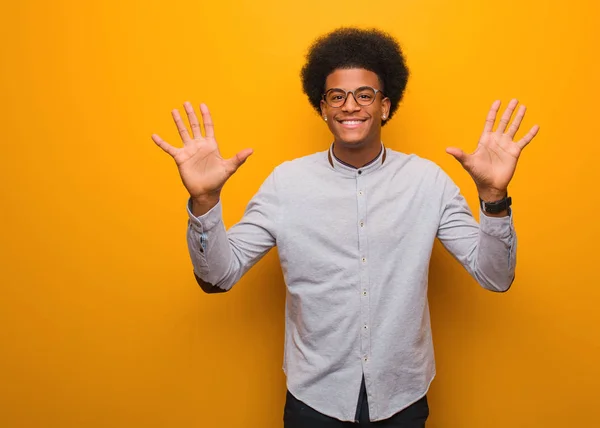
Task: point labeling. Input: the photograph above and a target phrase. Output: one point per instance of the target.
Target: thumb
(458, 154)
(239, 159)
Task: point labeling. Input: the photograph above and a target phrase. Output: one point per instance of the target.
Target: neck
(356, 155)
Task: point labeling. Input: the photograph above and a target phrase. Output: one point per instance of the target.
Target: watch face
(495, 209)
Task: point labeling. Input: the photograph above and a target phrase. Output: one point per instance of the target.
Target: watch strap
(496, 206)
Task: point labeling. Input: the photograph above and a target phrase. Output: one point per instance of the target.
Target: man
(355, 227)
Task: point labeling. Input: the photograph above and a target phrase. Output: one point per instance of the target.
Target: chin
(352, 140)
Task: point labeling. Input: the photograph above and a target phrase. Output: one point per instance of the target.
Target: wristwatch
(496, 206)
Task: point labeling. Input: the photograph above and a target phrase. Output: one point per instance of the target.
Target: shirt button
(359, 172)
(362, 224)
(366, 358)
(364, 292)
(360, 193)
(366, 327)
(364, 259)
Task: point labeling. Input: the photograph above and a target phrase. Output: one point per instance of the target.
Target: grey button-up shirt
(355, 246)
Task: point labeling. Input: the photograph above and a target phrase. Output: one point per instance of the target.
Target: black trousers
(297, 414)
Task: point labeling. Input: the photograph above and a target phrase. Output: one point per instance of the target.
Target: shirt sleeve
(487, 250)
(219, 257)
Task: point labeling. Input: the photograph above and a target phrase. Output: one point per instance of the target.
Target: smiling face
(353, 125)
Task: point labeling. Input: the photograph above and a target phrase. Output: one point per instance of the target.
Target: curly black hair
(349, 47)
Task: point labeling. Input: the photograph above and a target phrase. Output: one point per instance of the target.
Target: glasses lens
(335, 98)
(365, 96)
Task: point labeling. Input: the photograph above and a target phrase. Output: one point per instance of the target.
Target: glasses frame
(324, 96)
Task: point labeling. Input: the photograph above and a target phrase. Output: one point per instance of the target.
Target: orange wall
(101, 323)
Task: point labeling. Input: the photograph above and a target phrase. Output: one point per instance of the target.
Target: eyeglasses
(364, 96)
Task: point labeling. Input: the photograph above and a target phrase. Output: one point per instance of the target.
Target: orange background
(101, 322)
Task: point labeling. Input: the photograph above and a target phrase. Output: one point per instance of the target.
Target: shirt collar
(348, 169)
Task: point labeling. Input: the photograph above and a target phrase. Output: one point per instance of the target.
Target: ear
(386, 105)
(323, 109)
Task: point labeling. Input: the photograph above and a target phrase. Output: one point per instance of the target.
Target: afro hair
(345, 48)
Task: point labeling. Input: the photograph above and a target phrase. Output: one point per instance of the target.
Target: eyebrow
(359, 87)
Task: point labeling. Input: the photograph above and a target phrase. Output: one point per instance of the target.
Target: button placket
(363, 253)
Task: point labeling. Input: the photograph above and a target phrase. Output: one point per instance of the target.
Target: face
(353, 124)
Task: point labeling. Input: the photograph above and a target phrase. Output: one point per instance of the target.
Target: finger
(191, 114)
(239, 159)
(164, 145)
(183, 132)
(458, 154)
(507, 115)
(514, 126)
(491, 117)
(209, 129)
(528, 137)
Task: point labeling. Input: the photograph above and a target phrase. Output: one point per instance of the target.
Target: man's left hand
(493, 163)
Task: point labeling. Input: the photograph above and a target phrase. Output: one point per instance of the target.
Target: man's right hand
(201, 167)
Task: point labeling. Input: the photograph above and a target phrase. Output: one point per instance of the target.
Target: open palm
(201, 167)
(493, 163)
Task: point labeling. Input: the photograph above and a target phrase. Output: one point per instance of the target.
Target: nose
(350, 104)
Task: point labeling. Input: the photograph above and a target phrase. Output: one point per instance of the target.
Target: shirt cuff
(206, 221)
(499, 227)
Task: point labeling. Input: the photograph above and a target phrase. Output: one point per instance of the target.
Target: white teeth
(351, 122)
